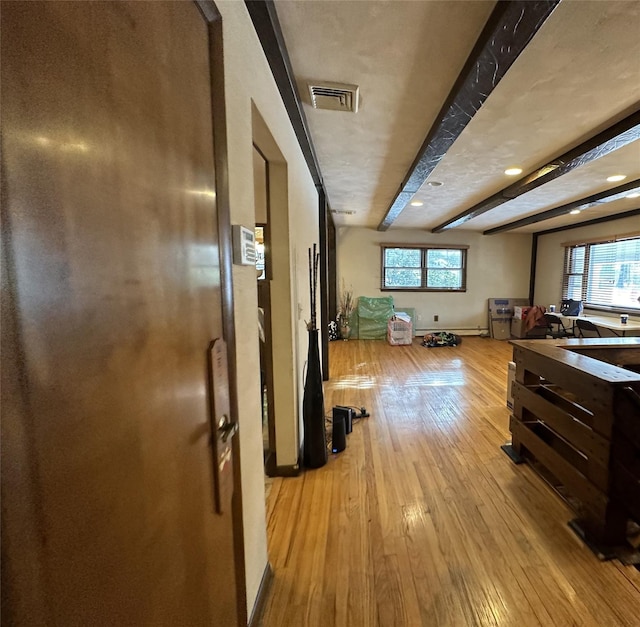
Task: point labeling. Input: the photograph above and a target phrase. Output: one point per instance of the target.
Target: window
(604, 275)
(426, 268)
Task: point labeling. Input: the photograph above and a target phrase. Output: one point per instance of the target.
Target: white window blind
(604, 274)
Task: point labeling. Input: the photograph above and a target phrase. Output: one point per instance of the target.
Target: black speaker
(339, 434)
(347, 413)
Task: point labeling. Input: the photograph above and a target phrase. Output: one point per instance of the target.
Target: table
(607, 322)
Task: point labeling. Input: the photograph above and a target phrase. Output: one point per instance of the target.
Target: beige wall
(550, 260)
(498, 266)
(249, 79)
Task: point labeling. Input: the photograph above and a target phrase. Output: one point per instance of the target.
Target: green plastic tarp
(373, 315)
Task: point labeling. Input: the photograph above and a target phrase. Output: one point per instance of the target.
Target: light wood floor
(423, 520)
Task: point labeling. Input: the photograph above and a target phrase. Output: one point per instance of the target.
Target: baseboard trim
(474, 331)
(286, 471)
(271, 468)
(261, 598)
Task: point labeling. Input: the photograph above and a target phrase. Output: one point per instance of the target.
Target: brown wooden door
(111, 297)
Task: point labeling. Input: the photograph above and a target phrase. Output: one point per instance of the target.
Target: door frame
(213, 18)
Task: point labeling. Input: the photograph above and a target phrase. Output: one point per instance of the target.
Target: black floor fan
(315, 437)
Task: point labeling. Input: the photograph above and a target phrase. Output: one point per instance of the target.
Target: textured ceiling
(579, 75)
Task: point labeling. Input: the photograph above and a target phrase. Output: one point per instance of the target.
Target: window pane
(423, 268)
(574, 289)
(444, 258)
(402, 258)
(444, 279)
(576, 262)
(402, 277)
(614, 274)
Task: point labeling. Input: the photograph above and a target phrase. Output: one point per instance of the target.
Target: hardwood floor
(423, 520)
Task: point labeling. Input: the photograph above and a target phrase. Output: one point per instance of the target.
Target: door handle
(226, 428)
(222, 427)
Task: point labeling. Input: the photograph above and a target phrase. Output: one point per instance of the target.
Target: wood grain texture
(113, 294)
(557, 437)
(423, 520)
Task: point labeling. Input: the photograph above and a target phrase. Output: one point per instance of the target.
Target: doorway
(264, 274)
(278, 294)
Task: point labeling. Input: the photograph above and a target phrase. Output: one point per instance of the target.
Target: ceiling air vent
(334, 96)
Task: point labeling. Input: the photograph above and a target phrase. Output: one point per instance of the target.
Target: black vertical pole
(532, 273)
(324, 283)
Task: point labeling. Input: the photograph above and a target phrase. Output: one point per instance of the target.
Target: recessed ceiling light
(513, 171)
(574, 212)
(417, 203)
(616, 177)
(434, 183)
(633, 195)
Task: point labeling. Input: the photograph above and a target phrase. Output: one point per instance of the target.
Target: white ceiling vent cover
(334, 96)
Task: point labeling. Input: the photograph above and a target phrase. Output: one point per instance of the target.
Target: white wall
(550, 260)
(248, 79)
(498, 267)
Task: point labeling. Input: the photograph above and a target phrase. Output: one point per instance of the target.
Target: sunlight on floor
(434, 379)
(425, 379)
(357, 382)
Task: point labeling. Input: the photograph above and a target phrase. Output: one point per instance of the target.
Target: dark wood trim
(293, 470)
(270, 468)
(424, 246)
(532, 272)
(569, 227)
(260, 153)
(613, 138)
(286, 471)
(209, 10)
(266, 226)
(219, 123)
(423, 289)
(265, 21)
(332, 268)
(509, 29)
(261, 598)
(590, 201)
(323, 211)
(266, 359)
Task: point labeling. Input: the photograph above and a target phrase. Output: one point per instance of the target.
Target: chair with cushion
(587, 329)
(555, 326)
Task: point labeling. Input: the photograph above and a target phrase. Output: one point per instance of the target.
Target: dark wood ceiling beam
(610, 195)
(613, 138)
(511, 26)
(601, 220)
(265, 21)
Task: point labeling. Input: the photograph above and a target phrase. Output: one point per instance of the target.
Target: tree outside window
(424, 268)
